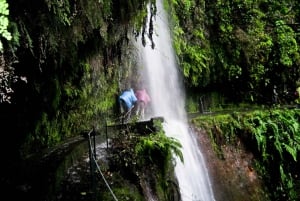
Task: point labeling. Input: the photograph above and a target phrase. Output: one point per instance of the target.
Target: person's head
(127, 88)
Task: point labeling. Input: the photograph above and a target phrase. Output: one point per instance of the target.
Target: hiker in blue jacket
(127, 101)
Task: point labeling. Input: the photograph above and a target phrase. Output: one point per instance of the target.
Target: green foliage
(92, 100)
(222, 129)
(146, 158)
(61, 10)
(123, 192)
(240, 45)
(139, 20)
(158, 149)
(73, 107)
(195, 64)
(275, 138)
(193, 48)
(282, 131)
(46, 134)
(4, 23)
(288, 184)
(71, 51)
(191, 105)
(286, 39)
(97, 13)
(15, 41)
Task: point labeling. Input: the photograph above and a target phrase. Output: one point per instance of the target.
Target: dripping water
(163, 81)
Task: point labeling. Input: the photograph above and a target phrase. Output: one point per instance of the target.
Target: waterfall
(163, 81)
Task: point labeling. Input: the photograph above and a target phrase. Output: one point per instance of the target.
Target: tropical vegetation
(131, 152)
(274, 138)
(248, 46)
(63, 63)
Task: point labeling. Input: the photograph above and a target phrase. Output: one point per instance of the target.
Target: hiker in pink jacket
(142, 101)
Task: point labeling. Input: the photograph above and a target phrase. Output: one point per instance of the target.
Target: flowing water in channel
(162, 79)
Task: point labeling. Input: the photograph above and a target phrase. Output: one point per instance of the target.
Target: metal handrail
(92, 156)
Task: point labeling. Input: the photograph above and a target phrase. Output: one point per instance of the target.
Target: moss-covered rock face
(232, 172)
(146, 161)
(239, 48)
(72, 56)
(271, 140)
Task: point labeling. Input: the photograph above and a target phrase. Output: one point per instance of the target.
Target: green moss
(273, 137)
(125, 191)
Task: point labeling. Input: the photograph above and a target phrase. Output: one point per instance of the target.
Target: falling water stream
(162, 79)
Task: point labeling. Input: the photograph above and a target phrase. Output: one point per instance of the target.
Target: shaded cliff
(69, 61)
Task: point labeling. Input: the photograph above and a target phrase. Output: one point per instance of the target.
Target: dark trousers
(125, 112)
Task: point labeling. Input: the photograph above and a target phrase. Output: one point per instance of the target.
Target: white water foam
(167, 100)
